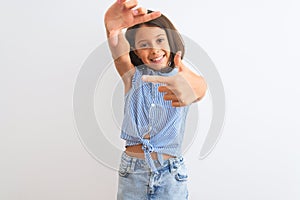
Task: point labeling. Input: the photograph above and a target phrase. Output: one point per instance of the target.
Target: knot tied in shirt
(147, 147)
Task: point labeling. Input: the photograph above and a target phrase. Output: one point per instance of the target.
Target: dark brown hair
(174, 38)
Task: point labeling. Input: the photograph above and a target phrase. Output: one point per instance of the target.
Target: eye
(143, 45)
(160, 40)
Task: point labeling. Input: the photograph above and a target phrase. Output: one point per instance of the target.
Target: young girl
(152, 166)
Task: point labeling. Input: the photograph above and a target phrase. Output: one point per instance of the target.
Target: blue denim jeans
(137, 182)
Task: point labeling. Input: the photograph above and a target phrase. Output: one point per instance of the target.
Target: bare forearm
(121, 49)
(120, 54)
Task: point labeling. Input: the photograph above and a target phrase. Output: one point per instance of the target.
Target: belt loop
(171, 168)
(132, 164)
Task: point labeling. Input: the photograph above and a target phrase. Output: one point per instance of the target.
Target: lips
(157, 59)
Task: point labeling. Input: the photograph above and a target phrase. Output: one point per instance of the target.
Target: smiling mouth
(158, 59)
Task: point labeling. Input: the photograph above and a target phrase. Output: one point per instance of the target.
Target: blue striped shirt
(146, 112)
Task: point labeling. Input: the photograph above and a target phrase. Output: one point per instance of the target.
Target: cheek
(143, 55)
(139, 54)
(168, 51)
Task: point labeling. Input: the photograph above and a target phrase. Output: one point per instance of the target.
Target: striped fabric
(145, 112)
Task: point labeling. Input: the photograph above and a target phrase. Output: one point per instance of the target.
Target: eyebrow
(161, 34)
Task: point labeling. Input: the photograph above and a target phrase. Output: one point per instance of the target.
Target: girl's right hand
(123, 14)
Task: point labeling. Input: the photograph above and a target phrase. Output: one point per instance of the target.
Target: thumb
(177, 61)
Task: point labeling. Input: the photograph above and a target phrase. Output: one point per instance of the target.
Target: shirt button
(152, 104)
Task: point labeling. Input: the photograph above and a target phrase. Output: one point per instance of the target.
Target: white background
(255, 47)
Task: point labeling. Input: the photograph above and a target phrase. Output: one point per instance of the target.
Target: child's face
(152, 47)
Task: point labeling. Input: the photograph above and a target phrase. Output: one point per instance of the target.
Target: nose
(155, 50)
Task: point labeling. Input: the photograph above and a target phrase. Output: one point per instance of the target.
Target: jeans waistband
(137, 164)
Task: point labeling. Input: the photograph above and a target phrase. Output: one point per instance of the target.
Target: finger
(171, 97)
(155, 79)
(147, 17)
(140, 11)
(177, 104)
(130, 4)
(177, 61)
(165, 89)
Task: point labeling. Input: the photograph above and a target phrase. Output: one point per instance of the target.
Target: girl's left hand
(183, 88)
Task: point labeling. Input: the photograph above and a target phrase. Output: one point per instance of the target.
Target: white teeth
(157, 59)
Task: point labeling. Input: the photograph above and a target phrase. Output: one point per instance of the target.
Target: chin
(156, 67)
